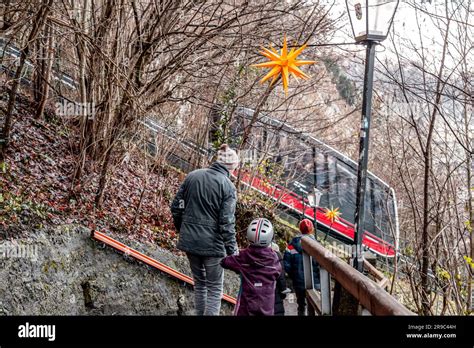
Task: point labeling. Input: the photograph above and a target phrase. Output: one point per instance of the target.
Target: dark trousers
(208, 278)
(301, 301)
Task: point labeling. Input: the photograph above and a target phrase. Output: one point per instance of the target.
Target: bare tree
(36, 26)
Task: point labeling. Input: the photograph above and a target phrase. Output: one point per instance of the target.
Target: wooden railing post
(365, 291)
(343, 302)
(325, 278)
(308, 271)
(309, 284)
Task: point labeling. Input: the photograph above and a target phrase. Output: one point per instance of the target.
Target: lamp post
(315, 197)
(371, 21)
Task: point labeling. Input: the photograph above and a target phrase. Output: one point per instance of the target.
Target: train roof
(310, 140)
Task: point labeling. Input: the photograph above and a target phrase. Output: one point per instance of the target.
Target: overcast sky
(409, 30)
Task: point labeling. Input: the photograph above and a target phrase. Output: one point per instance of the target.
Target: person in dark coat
(204, 216)
(281, 289)
(293, 264)
(259, 268)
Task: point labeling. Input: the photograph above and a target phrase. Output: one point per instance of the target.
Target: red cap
(306, 226)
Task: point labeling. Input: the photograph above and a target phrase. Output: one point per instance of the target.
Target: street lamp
(304, 193)
(371, 21)
(314, 198)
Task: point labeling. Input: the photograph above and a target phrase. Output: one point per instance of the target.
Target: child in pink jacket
(259, 268)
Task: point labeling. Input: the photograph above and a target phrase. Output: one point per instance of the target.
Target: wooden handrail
(380, 278)
(101, 237)
(376, 300)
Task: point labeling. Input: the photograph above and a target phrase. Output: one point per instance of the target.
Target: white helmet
(260, 232)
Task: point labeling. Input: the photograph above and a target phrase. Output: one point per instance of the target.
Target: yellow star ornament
(284, 63)
(332, 214)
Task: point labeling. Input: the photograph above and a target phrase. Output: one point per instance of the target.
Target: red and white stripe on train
(293, 201)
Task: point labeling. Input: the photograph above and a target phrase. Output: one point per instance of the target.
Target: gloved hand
(232, 251)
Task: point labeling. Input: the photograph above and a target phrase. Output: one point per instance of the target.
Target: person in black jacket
(281, 288)
(204, 216)
(293, 264)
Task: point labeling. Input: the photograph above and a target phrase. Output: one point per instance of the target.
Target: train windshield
(295, 156)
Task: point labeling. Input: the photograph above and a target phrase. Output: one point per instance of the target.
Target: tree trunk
(85, 123)
(425, 302)
(470, 207)
(37, 24)
(103, 177)
(46, 74)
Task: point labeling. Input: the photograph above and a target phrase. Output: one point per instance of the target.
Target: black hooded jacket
(203, 212)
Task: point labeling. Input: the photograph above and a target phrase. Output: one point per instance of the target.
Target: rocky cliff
(62, 271)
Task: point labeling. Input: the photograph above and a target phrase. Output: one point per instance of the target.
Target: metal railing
(365, 296)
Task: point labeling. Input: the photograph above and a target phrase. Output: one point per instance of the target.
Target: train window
(336, 174)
